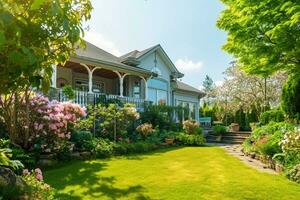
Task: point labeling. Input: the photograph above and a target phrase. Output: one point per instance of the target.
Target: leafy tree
(243, 91)
(34, 34)
(263, 34)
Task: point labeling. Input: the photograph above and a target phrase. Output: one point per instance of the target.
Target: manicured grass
(178, 173)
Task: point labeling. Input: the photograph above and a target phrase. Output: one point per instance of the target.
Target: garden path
(236, 151)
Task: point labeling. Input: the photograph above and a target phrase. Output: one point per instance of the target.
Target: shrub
(271, 116)
(291, 147)
(291, 97)
(294, 173)
(50, 123)
(68, 92)
(145, 129)
(129, 148)
(190, 140)
(5, 155)
(191, 127)
(83, 140)
(160, 116)
(37, 189)
(108, 118)
(104, 148)
(269, 144)
(219, 129)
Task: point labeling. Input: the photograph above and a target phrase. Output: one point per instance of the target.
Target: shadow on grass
(78, 179)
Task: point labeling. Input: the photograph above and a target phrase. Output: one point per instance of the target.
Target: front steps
(228, 138)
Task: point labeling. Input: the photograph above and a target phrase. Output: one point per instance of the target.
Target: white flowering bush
(145, 129)
(291, 142)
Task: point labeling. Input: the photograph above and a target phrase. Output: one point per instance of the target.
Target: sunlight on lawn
(178, 173)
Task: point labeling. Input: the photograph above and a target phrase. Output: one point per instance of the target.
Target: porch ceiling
(76, 67)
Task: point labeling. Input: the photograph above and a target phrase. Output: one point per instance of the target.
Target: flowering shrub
(145, 129)
(50, 122)
(291, 141)
(191, 127)
(37, 188)
(294, 173)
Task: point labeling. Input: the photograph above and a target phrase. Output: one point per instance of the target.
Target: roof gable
(140, 55)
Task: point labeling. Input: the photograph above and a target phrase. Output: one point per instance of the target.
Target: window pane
(193, 110)
(152, 95)
(154, 83)
(162, 97)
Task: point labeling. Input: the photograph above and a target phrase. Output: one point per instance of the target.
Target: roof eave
(124, 67)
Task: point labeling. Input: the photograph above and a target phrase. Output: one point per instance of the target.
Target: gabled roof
(95, 54)
(138, 55)
(179, 85)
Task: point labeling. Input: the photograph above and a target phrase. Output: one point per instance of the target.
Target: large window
(190, 108)
(158, 91)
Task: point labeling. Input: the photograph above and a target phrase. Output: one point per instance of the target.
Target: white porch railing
(81, 98)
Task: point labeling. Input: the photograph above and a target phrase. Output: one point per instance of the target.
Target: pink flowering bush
(37, 188)
(50, 123)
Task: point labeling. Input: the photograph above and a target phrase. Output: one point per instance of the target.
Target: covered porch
(93, 82)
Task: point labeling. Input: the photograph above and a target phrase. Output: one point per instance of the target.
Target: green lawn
(178, 173)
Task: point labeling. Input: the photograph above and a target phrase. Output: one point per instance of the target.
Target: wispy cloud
(186, 65)
(102, 42)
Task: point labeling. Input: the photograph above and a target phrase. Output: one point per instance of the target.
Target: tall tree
(263, 34)
(34, 34)
(246, 92)
(209, 86)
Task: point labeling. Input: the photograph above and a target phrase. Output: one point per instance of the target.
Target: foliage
(294, 173)
(192, 127)
(104, 148)
(34, 35)
(131, 148)
(160, 116)
(109, 119)
(68, 92)
(209, 111)
(83, 140)
(291, 145)
(274, 115)
(219, 129)
(190, 140)
(291, 97)
(37, 189)
(5, 155)
(263, 35)
(145, 129)
(209, 89)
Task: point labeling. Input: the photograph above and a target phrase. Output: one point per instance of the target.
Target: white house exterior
(135, 77)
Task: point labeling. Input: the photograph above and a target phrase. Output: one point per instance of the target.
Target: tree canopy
(264, 35)
(243, 91)
(35, 34)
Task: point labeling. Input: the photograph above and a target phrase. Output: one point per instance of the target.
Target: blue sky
(186, 29)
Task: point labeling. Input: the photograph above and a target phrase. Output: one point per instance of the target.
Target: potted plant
(234, 127)
(219, 130)
(169, 138)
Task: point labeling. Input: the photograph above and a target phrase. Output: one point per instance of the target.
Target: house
(135, 77)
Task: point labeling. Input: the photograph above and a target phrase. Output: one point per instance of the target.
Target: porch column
(121, 79)
(90, 74)
(54, 76)
(146, 87)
